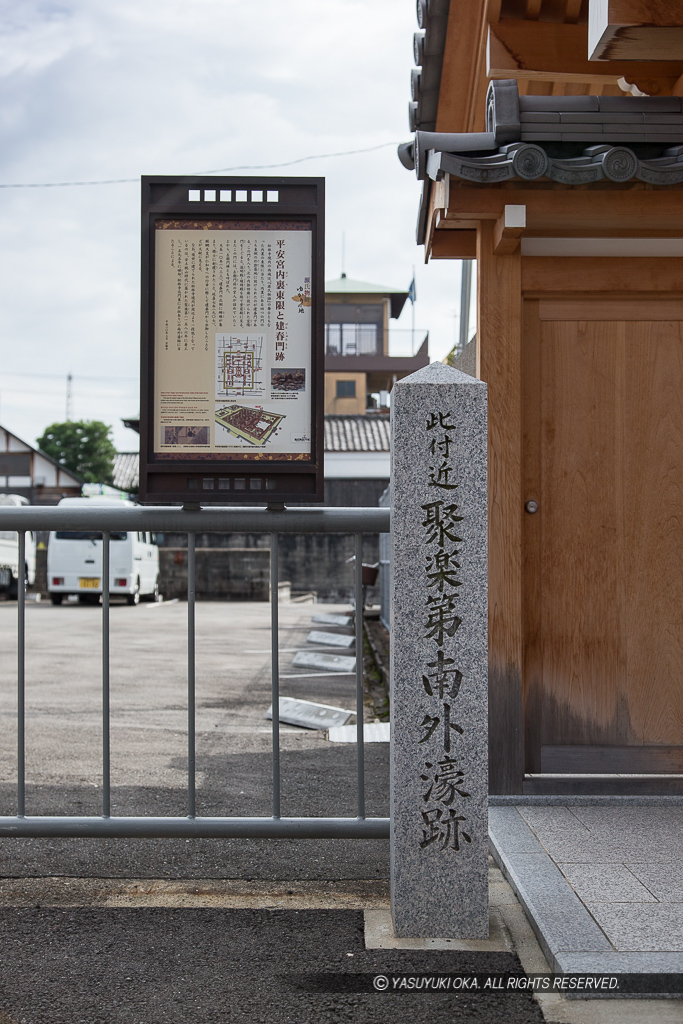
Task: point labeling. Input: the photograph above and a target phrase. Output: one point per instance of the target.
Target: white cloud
(96, 89)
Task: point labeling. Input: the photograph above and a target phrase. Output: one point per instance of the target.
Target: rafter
(460, 70)
(635, 30)
(548, 51)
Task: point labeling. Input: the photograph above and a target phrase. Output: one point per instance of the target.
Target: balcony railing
(369, 340)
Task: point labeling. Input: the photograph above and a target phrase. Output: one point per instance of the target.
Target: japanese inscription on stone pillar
(439, 655)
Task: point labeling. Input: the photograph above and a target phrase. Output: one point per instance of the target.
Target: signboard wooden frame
(232, 340)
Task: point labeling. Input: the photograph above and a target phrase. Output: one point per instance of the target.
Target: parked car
(74, 562)
(10, 571)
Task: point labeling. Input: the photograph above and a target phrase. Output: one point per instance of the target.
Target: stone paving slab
(602, 835)
(606, 883)
(332, 620)
(316, 636)
(665, 881)
(586, 850)
(592, 904)
(620, 963)
(560, 919)
(310, 715)
(512, 834)
(334, 662)
(641, 927)
(553, 820)
(644, 818)
(595, 800)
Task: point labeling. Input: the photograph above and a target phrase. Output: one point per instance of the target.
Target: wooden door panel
(603, 608)
(653, 531)
(579, 511)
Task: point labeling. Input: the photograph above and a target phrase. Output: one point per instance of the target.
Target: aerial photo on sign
(233, 338)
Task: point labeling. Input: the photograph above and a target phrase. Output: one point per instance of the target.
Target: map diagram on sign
(252, 425)
(239, 366)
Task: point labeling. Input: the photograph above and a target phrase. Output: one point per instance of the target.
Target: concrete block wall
(233, 574)
(311, 562)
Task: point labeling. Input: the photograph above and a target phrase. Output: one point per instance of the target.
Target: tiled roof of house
(357, 434)
(127, 471)
(350, 286)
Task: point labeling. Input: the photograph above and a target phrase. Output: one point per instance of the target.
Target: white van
(74, 561)
(9, 552)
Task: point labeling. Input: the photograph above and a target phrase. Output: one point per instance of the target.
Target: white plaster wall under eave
(602, 247)
(357, 465)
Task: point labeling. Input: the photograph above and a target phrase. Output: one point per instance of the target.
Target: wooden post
(499, 344)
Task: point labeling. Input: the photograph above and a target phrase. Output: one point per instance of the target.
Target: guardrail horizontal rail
(58, 827)
(211, 520)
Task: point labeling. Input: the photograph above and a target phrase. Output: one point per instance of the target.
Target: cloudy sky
(94, 90)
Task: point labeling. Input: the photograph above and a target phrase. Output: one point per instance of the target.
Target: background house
(27, 471)
(363, 358)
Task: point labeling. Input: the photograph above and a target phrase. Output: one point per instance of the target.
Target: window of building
(351, 339)
(346, 389)
(353, 330)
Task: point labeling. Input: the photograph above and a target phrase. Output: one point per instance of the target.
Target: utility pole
(69, 410)
(412, 309)
(465, 292)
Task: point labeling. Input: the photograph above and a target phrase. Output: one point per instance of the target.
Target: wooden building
(562, 176)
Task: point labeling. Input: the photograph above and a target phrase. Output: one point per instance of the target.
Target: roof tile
(357, 433)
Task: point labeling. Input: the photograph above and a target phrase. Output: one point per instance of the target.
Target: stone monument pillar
(439, 657)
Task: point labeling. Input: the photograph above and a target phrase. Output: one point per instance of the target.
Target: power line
(300, 160)
(219, 170)
(63, 184)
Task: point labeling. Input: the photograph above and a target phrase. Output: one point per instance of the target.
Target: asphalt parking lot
(149, 745)
(243, 944)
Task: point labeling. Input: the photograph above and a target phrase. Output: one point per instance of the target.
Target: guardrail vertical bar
(106, 740)
(191, 748)
(21, 678)
(275, 669)
(360, 749)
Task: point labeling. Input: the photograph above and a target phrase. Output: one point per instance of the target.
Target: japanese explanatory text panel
(232, 339)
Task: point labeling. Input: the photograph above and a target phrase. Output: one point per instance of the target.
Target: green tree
(83, 446)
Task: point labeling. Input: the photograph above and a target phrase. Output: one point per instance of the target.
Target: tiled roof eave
(618, 163)
(357, 433)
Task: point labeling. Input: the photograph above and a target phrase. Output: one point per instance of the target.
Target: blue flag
(412, 292)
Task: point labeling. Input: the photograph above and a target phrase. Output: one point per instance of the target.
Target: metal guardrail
(274, 521)
(385, 567)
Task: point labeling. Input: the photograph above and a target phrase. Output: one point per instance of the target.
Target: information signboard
(232, 340)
